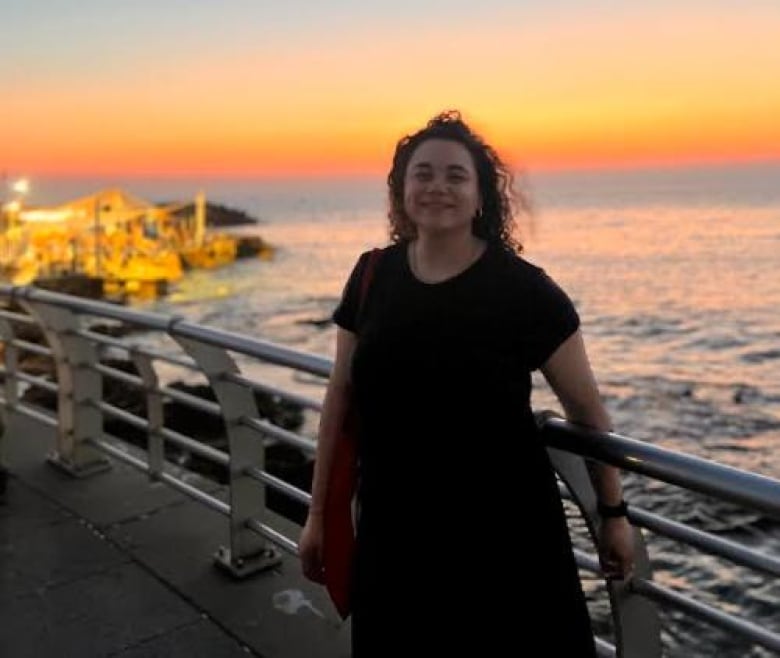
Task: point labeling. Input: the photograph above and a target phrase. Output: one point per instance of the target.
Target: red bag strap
(368, 275)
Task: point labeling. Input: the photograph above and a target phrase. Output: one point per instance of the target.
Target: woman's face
(441, 188)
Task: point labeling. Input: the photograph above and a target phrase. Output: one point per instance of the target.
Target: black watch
(612, 511)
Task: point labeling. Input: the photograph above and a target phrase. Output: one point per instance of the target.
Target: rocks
(219, 215)
(78, 285)
(250, 246)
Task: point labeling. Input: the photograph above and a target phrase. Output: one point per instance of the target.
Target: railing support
(154, 412)
(80, 389)
(11, 363)
(248, 551)
(10, 381)
(637, 626)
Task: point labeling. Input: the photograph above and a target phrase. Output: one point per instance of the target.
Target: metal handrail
(119, 375)
(120, 414)
(80, 305)
(260, 349)
(274, 535)
(290, 438)
(175, 483)
(177, 326)
(706, 541)
(192, 401)
(274, 391)
(693, 473)
(36, 414)
(718, 618)
(201, 449)
(101, 339)
(16, 317)
(280, 485)
(34, 348)
(216, 456)
(38, 381)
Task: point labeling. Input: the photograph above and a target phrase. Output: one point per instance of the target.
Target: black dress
(462, 540)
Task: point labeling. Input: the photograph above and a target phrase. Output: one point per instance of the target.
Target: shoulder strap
(368, 275)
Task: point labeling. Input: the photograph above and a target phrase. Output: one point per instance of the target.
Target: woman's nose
(437, 184)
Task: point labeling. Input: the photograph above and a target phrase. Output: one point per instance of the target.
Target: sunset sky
(262, 88)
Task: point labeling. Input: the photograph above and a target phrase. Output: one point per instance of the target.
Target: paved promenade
(117, 566)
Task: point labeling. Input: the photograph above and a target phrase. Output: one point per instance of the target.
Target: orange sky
(552, 90)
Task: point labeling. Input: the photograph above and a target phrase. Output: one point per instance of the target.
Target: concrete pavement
(115, 565)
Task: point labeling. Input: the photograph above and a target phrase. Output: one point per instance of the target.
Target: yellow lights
(54, 216)
(12, 207)
(21, 186)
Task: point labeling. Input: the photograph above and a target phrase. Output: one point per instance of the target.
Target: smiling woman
(436, 357)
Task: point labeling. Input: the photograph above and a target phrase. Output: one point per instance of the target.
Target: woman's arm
(569, 374)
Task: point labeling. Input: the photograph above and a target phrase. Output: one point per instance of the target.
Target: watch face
(612, 511)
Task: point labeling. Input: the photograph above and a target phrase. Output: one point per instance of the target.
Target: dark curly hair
(500, 200)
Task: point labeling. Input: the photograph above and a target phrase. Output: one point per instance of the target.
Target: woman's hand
(310, 548)
(616, 548)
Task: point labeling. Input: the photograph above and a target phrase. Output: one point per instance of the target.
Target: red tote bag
(338, 548)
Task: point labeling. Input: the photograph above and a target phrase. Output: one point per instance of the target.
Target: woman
(438, 357)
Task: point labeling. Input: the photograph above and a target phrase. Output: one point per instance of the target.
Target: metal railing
(83, 448)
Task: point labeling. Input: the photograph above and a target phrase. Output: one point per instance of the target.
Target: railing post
(80, 389)
(10, 383)
(11, 363)
(248, 552)
(154, 412)
(637, 627)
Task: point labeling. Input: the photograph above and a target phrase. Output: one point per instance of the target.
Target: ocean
(674, 272)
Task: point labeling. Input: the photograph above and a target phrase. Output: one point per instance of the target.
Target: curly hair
(496, 224)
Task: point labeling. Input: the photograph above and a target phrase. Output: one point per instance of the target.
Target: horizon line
(8, 173)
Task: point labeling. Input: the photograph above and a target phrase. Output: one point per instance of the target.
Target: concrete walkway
(117, 566)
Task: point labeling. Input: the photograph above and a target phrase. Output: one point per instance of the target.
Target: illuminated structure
(134, 246)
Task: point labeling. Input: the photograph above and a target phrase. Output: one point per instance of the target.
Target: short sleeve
(553, 320)
(346, 313)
